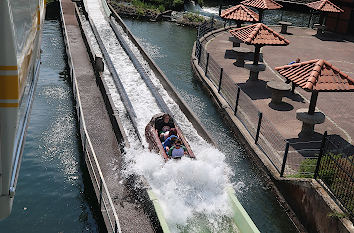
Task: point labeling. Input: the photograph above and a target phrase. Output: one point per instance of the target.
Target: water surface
(170, 46)
(53, 191)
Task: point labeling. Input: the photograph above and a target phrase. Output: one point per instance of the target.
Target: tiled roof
(241, 13)
(324, 5)
(259, 34)
(317, 75)
(262, 4)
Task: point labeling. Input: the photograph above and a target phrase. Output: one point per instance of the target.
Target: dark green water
(53, 192)
(170, 46)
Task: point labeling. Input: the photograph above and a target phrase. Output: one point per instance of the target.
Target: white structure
(20, 37)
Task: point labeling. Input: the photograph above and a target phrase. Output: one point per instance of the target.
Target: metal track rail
(138, 66)
(123, 94)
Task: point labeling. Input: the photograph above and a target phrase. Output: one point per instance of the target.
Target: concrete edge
(159, 211)
(241, 218)
(166, 83)
(86, 148)
(112, 111)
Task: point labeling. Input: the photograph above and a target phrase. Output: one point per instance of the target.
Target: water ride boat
(153, 137)
(20, 37)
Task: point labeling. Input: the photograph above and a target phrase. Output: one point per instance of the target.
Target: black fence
(335, 171)
(287, 156)
(325, 160)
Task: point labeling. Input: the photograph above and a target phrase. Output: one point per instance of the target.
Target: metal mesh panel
(247, 113)
(213, 71)
(228, 90)
(271, 143)
(337, 172)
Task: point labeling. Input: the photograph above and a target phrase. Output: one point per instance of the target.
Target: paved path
(131, 216)
(337, 107)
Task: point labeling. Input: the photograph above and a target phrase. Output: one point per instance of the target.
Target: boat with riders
(166, 138)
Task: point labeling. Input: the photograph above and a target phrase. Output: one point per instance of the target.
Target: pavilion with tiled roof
(240, 13)
(325, 6)
(259, 35)
(262, 5)
(316, 76)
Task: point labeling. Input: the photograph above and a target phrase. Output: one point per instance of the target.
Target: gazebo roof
(240, 13)
(259, 34)
(262, 4)
(319, 75)
(324, 5)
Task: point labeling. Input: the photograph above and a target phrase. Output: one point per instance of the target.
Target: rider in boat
(164, 125)
(169, 142)
(178, 150)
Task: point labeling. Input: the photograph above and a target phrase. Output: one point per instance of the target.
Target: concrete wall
(313, 205)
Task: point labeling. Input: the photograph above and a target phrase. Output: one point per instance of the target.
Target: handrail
(103, 185)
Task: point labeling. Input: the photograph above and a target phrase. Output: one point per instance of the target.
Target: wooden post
(320, 155)
(221, 71)
(207, 64)
(313, 101)
(237, 99)
(284, 159)
(258, 127)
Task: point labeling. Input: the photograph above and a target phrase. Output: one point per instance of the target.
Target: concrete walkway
(337, 106)
(131, 215)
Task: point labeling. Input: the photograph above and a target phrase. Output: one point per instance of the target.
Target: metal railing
(105, 201)
(287, 156)
(336, 172)
(290, 157)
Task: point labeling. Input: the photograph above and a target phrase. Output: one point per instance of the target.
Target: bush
(194, 17)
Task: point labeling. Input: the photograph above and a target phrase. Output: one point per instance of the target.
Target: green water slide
(240, 217)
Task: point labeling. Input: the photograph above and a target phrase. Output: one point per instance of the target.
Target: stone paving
(337, 106)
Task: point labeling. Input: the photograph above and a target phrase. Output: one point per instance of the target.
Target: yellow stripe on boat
(9, 87)
(8, 67)
(38, 18)
(8, 105)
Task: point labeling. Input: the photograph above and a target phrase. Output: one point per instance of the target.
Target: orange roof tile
(262, 4)
(317, 75)
(324, 5)
(259, 34)
(241, 13)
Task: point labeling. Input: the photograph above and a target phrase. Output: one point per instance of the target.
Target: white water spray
(188, 190)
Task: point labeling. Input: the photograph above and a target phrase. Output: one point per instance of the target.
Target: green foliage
(194, 17)
(161, 8)
(337, 215)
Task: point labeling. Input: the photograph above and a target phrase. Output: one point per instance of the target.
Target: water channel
(54, 192)
(170, 46)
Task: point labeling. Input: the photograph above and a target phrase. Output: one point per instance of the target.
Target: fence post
(320, 155)
(200, 52)
(258, 127)
(237, 99)
(100, 192)
(284, 159)
(207, 64)
(221, 71)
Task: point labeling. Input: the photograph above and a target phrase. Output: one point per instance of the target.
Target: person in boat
(163, 126)
(178, 150)
(169, 142)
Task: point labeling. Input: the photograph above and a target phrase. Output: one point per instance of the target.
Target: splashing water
(191, 192)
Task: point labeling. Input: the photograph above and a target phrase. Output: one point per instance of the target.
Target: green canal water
(170, 46)
(53, 191)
